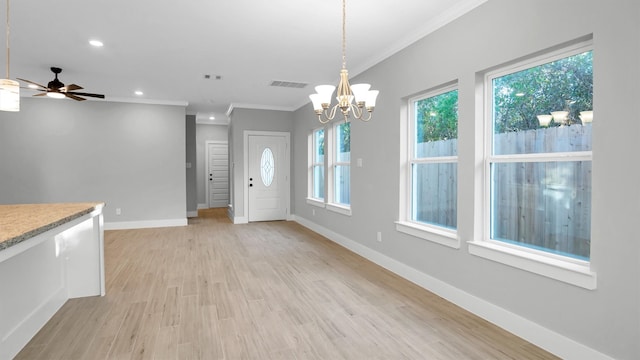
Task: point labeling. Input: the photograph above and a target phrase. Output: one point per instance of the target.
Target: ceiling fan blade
(70, 88)
(31, 82)
(43, 94)
(87, 94)
(72, 96)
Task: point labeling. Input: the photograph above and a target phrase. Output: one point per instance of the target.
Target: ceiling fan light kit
(9, 89)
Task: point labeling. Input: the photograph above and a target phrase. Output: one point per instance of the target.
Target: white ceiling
(165, 48)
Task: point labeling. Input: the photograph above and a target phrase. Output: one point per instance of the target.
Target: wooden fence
(543, 205)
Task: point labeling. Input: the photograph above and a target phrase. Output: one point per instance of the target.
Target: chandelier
(9, 89)
(365, 99)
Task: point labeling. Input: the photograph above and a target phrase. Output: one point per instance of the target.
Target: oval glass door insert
(267, 167)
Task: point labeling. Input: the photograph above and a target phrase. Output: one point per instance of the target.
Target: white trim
(245, 181)
(192, 214)
(316, 202)
(240, 220)
(202, 206)
(145, 101)
(541, 264)
(234, 106)
(125, 225)
(434, 234)
(339, 208)
(547, 339)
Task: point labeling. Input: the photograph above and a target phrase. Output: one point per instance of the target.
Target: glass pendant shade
(317, 103)
(325, 92)
(372, 95)
(9, 95)
(55, 95)
(360, 92)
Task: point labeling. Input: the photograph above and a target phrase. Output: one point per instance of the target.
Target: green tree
(437, 117)
(565, 84)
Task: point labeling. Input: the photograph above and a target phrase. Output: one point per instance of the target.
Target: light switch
(359, 162)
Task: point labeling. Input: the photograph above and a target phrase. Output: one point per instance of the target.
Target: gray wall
(130, 156)
(606, 319)
(256, 120)
(192, 189)
(204, 133)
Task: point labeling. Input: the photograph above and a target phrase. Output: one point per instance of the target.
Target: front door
(268, 177)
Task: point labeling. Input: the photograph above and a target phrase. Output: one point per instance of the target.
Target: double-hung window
(340, 168)
(329, 175)
(537, 166)
(430, 176)
(316, 167)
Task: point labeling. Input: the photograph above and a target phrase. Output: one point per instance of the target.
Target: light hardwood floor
(275, 290)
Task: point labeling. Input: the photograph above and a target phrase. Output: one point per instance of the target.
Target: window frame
(563, 268)
(430, 232)
(311, 199)
(331, 153)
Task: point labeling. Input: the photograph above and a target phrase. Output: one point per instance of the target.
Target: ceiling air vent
(288, 84)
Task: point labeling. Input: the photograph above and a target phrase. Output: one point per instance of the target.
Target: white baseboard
(203, 206)
(125, 225)
(547, 339)
(240, 220)
(192, 214)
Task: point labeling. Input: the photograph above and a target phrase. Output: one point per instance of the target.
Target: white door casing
(217, 174)
(267, 187)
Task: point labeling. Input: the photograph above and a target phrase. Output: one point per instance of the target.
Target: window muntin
(538, 175)
(433, 159)
(342, 164)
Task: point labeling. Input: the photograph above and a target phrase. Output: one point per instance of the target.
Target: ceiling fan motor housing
(55, 84)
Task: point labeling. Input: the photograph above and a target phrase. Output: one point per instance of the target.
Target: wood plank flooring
(275, 290)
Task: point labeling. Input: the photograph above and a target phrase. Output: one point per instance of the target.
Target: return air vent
(288, 84)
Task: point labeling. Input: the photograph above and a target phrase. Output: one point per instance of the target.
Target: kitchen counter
(23, 221)
(49, 253)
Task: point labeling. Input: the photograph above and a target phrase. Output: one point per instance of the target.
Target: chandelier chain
(8, 57)
(344, 34)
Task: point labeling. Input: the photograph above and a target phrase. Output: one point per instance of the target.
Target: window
(538, 166)
(429, 205)
(341, 164)
(316, 166)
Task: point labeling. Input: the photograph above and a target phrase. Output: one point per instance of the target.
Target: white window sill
(576, 272)
(431, 233)
(340, 209)
(316, 202)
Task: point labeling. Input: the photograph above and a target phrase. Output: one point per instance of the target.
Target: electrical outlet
(379, 238)
(118, 211)
(313, 212)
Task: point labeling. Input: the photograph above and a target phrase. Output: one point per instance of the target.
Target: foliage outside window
(317, 165)
(539, 175)
(433, 159)
(342, 164)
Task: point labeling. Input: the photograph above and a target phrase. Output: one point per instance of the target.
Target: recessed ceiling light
(32, 86)
(139, 93)
(212, 117)
(96, 43)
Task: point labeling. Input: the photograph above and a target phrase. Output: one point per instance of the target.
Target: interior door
(268, 177)
(218, 176)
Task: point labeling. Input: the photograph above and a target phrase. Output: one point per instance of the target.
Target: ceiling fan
(56, 89)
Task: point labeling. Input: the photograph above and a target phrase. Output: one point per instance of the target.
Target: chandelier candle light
(364, 98)
(9, 89)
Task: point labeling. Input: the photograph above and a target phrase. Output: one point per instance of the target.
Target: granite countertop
(23, 221)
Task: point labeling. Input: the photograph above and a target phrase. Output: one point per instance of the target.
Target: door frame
(287, 168)
(207, 170)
